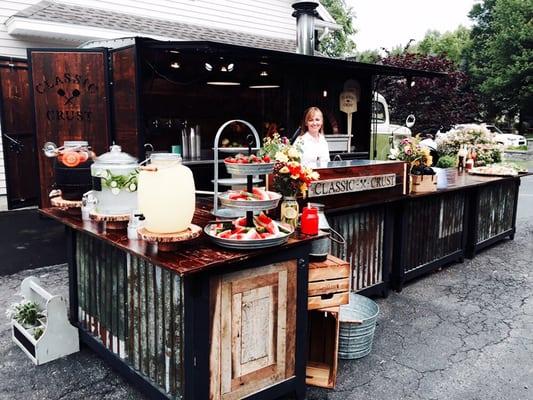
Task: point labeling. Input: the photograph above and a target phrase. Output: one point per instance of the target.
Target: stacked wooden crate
(329, 288)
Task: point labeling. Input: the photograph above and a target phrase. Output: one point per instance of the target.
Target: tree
(339, 43)
(368, 56)
(449, 44)
(434, 101)
(500, 58)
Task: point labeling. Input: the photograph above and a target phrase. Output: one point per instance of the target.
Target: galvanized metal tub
(357, 326)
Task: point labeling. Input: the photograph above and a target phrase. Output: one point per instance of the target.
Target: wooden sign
(330, 187)
(70, 102)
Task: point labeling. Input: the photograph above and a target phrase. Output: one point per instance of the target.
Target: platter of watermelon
(257, 200)
(249, 165)
(236, 235)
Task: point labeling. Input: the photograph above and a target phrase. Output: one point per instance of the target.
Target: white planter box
(59, 338)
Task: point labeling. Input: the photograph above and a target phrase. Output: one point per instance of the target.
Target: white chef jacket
(314, 151)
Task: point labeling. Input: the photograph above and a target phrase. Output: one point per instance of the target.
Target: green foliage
(339, 43)
(520, 148)
(27, 313)
(500, 58)
(449, 44)
(447, 161)
(474, 138)
(435, 102)
(38, 332)
(368, 56)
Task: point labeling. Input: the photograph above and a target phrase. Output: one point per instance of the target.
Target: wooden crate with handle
(329, 283)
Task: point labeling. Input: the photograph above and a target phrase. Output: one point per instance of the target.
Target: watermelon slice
(266, 235)
(267, 223)
(225, 234)
(260, 194)
(240, 221)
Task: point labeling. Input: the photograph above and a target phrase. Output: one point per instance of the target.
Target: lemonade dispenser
(166, 194)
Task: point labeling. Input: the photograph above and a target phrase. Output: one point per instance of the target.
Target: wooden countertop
(465, 180)
(191, 257)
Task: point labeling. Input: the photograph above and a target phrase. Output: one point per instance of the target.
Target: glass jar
(289, 211)
(72, 169)
(114, 179)
(166, 194)
(309, 223)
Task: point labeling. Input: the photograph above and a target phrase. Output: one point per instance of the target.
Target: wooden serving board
(170, 241)
(111, 221)
(70, 206)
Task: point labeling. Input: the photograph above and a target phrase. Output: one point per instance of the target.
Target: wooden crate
(323, 339)
(329, 283)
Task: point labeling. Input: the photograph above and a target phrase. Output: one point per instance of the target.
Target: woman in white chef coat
(312, 142)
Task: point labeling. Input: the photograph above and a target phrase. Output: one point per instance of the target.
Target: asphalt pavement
(462, 333)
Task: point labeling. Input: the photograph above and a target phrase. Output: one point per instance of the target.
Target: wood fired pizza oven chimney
(305, 13)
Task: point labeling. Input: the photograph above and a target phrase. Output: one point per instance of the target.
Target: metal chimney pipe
(305, 13)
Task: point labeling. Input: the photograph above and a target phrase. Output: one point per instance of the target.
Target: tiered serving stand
(229, 212)
(236, 208)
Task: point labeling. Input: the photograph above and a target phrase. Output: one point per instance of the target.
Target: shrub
(447, 162)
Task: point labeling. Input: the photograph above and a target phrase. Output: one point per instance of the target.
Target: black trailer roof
(293, 58)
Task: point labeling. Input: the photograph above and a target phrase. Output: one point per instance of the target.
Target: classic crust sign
(330, 187)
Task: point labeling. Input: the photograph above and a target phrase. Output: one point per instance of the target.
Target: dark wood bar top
(464, 180)
(191, 257)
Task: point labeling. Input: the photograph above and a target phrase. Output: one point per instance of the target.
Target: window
(378, 111)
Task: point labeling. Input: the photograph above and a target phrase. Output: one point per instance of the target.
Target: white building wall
(267, 18)
(15, 47)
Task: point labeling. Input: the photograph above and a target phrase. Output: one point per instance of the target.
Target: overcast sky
(388, 23)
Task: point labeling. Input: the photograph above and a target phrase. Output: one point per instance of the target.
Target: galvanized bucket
(357, 326)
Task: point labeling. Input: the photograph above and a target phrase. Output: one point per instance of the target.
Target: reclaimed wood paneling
(349, 200)
(252, 329)
(70, 94)
(134, 308)
(18, 142)
(125, 107)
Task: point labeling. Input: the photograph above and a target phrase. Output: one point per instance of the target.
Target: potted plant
(421, 176)
(29, 315)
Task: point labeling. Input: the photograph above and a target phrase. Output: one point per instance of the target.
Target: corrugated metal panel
(363, 231)
(134, 308)
(434, 228)
(496, 206)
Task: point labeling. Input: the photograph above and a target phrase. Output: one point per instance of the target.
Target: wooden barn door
(71, 102)
(18, 135)
(253, 332)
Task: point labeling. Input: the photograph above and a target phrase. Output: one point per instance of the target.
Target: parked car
(506, 139)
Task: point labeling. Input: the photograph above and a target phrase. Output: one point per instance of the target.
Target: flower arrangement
(475, 137)
(417, 156)
(278, 148)
(290, 178)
